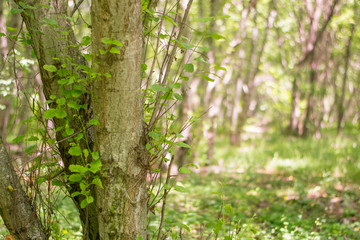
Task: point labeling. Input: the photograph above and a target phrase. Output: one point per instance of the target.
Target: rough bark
(117, 105)
(15, 207)
(47, 45)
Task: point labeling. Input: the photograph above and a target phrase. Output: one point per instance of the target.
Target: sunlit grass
(279, 187)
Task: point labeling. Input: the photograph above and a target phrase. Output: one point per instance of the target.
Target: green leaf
(47, 6)
(2, 34)
(187, 46)
(228, 208)
(217, 36)
(184, 170)
(51, 22)
(154, 135)
(76, 93)
(218, 225)
(50, 113)
(102, 51)
(75, 151)
(50, 68)
(106, 41)
(97, 182)
(10, 29)
(158, 88)
(167, 18)
(18, 139)
(95, 155)
(61, 101)
(89, 199)
(139, 238)
(32, 138)
(185, 226)
(86, 40)
(78, 168)
(117, 43)
(15, 11)
(93, 122)
(180, 188)
(74, 105)
(95, 166)
(175, 85)
(79, 136)
(69, 131)
(220, 68)
(114, 50)
(83, 187)
(86, 153)
(56, 182)
(184, 145)
(25, 6)
(201, 59)
(83, 203)
(74, 194)
(193, 165)
(75, 177)
(189, 68)
(63, 81)
(87, 56)
(207, 78)
(178, 96)
(167, 187)
(60, 113)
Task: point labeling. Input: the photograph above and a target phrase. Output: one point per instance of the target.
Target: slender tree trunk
(310, 103)
(256, 52)
(122, 207)
(340, 106)
(295, 109)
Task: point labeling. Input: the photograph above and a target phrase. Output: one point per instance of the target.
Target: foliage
(242, 66)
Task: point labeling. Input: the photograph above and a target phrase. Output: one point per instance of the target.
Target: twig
(76, 7)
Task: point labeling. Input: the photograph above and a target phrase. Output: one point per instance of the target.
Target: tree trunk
(310, 102)
(15, 207)
(295, 109)
(48, 45)
(343, 88)
(254, 60)
(122, 207)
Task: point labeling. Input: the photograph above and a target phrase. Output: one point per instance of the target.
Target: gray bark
(117, 106)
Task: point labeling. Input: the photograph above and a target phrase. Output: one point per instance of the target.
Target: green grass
(278, 188)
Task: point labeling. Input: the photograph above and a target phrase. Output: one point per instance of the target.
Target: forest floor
(272, 187)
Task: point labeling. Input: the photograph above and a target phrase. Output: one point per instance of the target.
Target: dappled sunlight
(280, 188)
